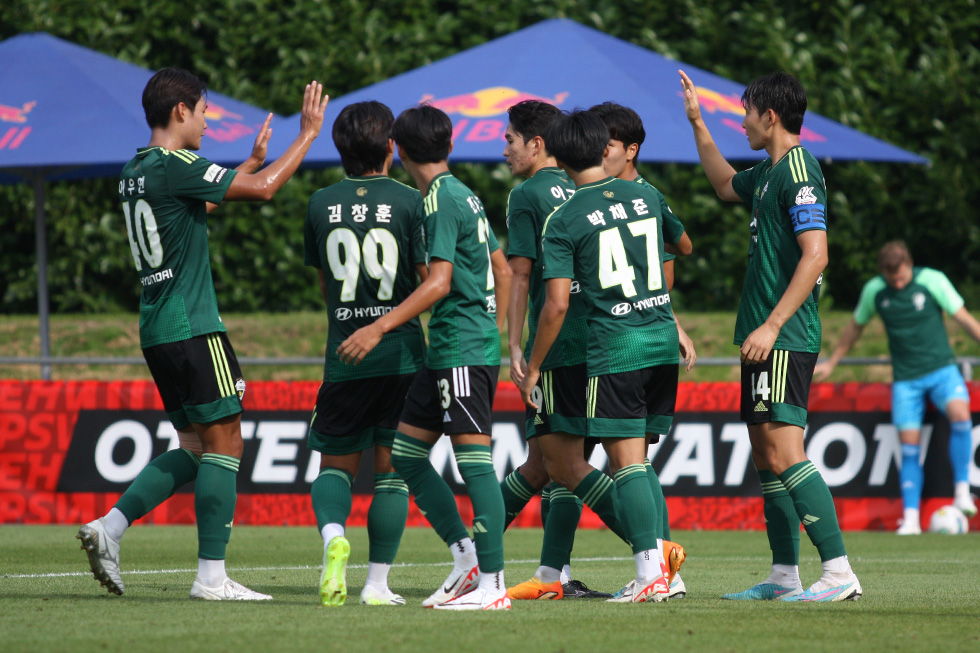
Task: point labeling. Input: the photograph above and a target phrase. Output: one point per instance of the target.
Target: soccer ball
(948, 520)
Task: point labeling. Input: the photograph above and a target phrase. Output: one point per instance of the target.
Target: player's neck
(629, 173)
(541, 164)
(167, 139)
(424, 173)
(781, 143)
(587, 176)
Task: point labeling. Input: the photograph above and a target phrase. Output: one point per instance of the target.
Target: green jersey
(610, 238)
(528, 206)
(164, 198)
(365, 233)
(913, 318)
(664, 210)
(787, 198)
(463, 327)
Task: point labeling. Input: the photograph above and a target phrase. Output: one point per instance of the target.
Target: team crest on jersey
(361, 192)
(608, 194)
(919, 301)
(806, 196)
(764, 189)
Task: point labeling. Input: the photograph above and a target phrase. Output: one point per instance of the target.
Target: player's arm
(323, 286)
(434, 288)
(520, 267)
(265, 184)
(552, 317)
(682, 247)
(968, 322)
(851, 333)
(686, 346)
(813, 260)
(716, 167)
(501, 285)
(423, 271)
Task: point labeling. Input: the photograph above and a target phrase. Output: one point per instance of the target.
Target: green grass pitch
(920, 593)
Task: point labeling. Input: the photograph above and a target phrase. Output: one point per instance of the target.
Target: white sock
(647, 566)
(211, 572)
(961, 491)
(331, 531)
(785, 575)
(566, 574)
(911, 516)
(493, 583)
(378, 574)
(116, 524)
(547, 574)
(837, 566)
(464, 553)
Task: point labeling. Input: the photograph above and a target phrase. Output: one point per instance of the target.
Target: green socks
(215, 495)
(433, 497)
(637, 510)
(158, 481)
(815, 508)
(782, 522)
(559, 530)
(598, 492)
(331, 497)
(386, 517)
(476, 468)
(663, 532)
(517, 492)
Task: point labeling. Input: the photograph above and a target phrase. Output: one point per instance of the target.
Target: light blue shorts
(909, 397)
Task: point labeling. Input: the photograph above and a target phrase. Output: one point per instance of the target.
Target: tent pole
(42, 274)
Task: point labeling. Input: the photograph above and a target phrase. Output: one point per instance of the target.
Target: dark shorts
(632, 404)
(560, 396)
(352, 416)
(778, 389)
(198, 379)
(453, 400)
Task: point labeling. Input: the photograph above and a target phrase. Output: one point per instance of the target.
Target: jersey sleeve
(492, 243)
(743, 183)
(804, 192)
(557, 249)
(520, 228)
(442, 228)
(941, 289)
(197, 178)
(865, 309)
(672, 226)
(311, 251)
(416, 239)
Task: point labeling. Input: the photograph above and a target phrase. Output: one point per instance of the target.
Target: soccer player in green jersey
(626, 135)
(609, 237)
(778, 329)
(911, 301)
(528, 206)
(364, 236)
(468, 289)
(166, 191)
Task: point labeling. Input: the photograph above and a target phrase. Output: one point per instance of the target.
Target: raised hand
(691, 104)
(314, 104)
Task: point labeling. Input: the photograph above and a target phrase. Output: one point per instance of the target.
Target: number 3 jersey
(364, 233)
(463, 328)
(164, 197)
(787, 198)
(610, 238)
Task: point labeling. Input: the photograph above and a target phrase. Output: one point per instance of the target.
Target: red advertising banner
(69, 449)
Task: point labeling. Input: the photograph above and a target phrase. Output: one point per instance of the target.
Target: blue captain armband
(808, 216)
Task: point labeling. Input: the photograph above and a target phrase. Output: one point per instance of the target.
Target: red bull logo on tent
(12, 135)
(714, 102)
(477, 110)
(225, 126)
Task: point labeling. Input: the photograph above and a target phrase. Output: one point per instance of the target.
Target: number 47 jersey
(610, 238)
(365, 234)
(164, 196)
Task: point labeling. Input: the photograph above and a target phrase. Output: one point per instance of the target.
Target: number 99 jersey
(164, 196)
(610, 238)
(365, 234)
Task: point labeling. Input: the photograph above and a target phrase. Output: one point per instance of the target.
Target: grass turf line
(919, 592)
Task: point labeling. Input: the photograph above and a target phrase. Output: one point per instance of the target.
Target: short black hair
(531, 117)
(168, 88)
(780, 92)
(424, 132)
(361, 134)
(623, 123)
(577, 139)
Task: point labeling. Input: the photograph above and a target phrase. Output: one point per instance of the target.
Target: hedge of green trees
(908, 73)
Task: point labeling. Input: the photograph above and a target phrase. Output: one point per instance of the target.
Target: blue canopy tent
(570, 65)
(67, 112)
